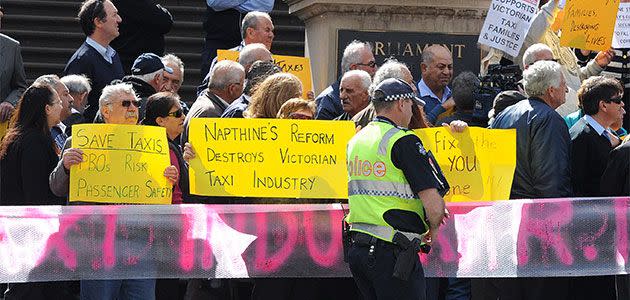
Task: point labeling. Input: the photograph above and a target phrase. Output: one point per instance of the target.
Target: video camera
(499, 78)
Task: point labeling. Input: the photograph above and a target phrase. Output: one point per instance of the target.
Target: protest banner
(296, 65)
(588, 24)
(621, 37)
(478, 163)
(121, 164)
(269, 158)
(507, 23)
(516, 238)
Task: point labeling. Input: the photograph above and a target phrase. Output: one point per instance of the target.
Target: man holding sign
(392, 184)
(118, 104)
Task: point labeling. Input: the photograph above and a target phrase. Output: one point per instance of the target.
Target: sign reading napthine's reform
(621, 37)
(478, 163)
(507, 24)
(589, 24)
(269, 158)
(121, 164)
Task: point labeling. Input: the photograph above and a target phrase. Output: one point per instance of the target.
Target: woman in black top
(28, 153)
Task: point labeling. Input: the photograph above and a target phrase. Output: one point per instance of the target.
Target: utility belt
(409, 243)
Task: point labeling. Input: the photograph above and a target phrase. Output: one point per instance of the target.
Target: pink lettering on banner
(621, 224)
(186, 244)
(544, 222)
(109, 241)
(332, 254)
(270, 263)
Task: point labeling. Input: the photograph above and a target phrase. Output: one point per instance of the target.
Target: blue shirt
(596, 126)
(107, 53)
(433, 107)
(573, 118)
(243, 6)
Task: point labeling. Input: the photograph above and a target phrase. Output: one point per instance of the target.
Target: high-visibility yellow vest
(375, 185)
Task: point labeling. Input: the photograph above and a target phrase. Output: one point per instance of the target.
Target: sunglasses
(176, 114)
(127, 103)
(616, 100)
(370, 64)
(300, 116)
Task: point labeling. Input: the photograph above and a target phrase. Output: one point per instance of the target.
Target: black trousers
(372, 271)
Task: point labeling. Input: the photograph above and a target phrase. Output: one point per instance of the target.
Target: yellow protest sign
(269, 158)
(478, 163)
(4, 127)
(121, 164)
(296, 65)
(589, 24)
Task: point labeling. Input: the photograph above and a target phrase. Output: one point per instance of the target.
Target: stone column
(324, 17)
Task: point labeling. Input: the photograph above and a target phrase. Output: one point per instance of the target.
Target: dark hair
(464, 86)
(595, 89)
(258, 72)
(159, 105)
(30, 114)
(91, 9)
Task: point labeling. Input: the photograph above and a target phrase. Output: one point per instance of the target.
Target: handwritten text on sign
(507, 24)
(589, 24)
(269, 158)
(296, 65)
(621, 37)
(478, 163)
(121, 164)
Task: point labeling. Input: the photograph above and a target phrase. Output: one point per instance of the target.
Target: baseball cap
(148, 63)
(393, 89)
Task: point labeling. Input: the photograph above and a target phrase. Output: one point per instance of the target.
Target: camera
(499, 78)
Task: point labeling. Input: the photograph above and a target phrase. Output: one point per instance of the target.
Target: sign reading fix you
(269, 158)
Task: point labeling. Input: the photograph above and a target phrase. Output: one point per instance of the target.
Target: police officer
(395, 196)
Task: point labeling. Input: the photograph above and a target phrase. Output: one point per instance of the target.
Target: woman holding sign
(27, 156)
(163, 109)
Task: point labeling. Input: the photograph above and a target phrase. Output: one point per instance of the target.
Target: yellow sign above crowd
(121, 164)
(269, 158)
(296, 65)
(478, 163)
(589, 24)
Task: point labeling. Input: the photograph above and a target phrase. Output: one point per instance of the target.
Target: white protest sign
(621, 35)
(507, 24)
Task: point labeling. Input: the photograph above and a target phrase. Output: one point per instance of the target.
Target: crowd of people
(120, 75)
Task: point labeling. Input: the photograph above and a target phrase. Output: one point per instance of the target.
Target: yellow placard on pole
(269, 158)
(121, 164)
(478, 163)
(296, 65)
(589, 24)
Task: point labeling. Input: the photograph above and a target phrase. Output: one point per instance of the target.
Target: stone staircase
(49, 34)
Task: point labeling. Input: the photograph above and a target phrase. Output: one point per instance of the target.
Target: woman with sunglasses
(297, 108)
(163, 109)
(27, 156)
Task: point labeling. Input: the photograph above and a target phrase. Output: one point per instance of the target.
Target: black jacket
(616, 177)
(142, 30)
(589, 156)
(543, 149)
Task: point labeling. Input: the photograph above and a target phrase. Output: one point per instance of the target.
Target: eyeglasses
(176, 114)
(127, 103)
(370, 64)
(299, 116)
(616, 100)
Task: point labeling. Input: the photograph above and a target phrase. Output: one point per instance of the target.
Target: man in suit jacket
(225, 85)
(12, 77)
(592, 140)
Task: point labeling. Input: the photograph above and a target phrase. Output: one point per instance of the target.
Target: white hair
(173, 59)
(365, 78)
(392, 68)
(149, 77)
(531, 54)
(352, 54)
(251, 53)
(224, 73)
(77, 84)
(113, 90)
(540, 76)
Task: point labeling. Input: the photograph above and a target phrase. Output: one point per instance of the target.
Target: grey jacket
(59, 179)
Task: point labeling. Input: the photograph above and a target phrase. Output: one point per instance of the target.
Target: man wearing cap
(395, 200)
(146, 77)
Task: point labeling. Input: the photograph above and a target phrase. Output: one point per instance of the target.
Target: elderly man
(402, 189)
(354, 93)
(437, 70)
(118, 104)
(58, 131)
(172, 81)
(224, 86)
(96, 58)
(79, 88)
(147, 77)
(543, 150)
(13, 80)
(356, 56)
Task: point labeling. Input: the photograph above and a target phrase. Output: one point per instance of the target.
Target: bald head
(226, 80)
(252, 53)
(437, 67)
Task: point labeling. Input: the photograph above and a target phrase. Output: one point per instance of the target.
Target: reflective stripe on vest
(383, 231)
(380, 188)
(382, 146)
